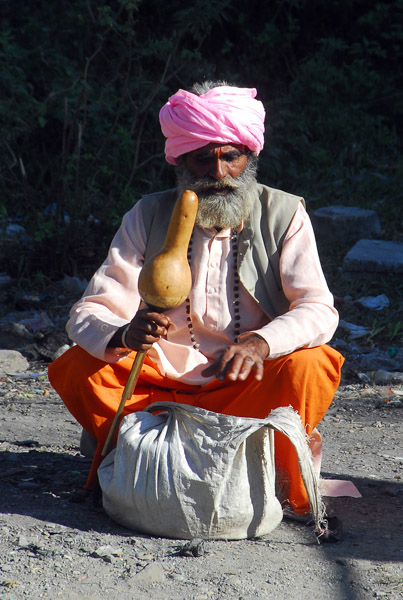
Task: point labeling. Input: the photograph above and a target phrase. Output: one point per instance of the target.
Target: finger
(144, 335)
(259, 371)
(138, 342)
(154, 330)
(241, 368)
(220, 367)
(159, 318)
(235, 368)
(151, 324)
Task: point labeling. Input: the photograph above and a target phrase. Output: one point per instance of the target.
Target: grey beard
(224, 211)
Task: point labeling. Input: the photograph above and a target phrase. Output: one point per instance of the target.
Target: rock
(374, 256)
(7, 568)
(13, 335)
(145, 556)
(107, 553)
(17, 328)
(60, 351)
(195, 547)
(354, 331)
(23, 542)
(14, 231)
(12, 361)
(343, 346)
(177, 577)
(51, 343)
(364, 377)
(378, 360)
(385, 377)
(374, 302)
(345, 224)
(152, 573)
(106, 549)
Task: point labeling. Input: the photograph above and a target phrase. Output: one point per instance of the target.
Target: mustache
(206, 184)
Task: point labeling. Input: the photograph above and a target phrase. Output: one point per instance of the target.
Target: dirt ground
(54, 543)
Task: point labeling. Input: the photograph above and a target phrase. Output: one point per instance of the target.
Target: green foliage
(82, 83)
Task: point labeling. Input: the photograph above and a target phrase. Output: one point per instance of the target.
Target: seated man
(252, 334)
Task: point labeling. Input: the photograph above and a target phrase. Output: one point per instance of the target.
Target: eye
(203, 158)
(232, 156)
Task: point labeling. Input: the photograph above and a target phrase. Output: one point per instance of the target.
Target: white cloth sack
(187, 472)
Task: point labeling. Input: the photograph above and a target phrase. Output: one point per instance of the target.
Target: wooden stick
(127, 393)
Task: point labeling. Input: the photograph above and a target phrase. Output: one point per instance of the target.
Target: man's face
(217, 162)
(224, 178)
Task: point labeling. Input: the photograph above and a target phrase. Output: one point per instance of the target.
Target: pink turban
(224, 115)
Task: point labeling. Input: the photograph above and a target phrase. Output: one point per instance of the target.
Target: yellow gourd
(165, 282)
(165, 279)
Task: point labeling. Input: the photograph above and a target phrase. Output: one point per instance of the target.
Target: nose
(219, 169)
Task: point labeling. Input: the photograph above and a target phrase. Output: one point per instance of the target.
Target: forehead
(216, 149)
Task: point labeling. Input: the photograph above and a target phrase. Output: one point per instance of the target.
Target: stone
(354, 331)
(60, 351)
(195, 547)
(377, 360)
(374, 256)
(23, 542)
(374, 302)
(177, 577)
(345, 223)
(385, 377)
(152, 573)
(20, 327)
(12, 361)
(107, 553)
(14, 231)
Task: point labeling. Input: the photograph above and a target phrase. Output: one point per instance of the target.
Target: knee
(72, 369)
(321, 359)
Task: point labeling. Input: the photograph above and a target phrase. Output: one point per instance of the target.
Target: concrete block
(12, 361)
(345, 223)
(374, 256)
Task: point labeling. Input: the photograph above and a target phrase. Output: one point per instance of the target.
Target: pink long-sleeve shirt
(112, 299)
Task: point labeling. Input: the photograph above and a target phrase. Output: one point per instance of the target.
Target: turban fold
(223, 115)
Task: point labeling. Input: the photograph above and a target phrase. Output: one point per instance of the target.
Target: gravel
(55, 543)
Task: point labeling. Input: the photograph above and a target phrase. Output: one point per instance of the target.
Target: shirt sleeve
(112, 297)
(312, 318)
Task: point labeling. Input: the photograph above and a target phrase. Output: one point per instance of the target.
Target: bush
(82, 84)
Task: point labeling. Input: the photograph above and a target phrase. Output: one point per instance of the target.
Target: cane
(165, 282)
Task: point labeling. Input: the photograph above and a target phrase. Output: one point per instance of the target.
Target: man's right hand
(145, 329)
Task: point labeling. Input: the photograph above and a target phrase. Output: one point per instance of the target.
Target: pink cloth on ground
(223, 115)
(332, 488)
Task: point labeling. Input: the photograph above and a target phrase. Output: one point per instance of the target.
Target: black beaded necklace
(237, 316)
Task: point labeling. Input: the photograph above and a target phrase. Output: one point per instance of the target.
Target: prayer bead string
(237, 316)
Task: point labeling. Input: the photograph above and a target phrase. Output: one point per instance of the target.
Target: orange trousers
(306, 380)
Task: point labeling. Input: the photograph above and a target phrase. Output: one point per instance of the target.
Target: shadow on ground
(49, 486)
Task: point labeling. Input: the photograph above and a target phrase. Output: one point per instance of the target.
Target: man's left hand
(239, 360)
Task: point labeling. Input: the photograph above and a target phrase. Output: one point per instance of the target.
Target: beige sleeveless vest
(260, 241)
